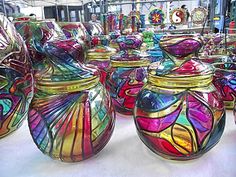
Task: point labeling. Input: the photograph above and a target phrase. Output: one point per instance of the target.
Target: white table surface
(124, 156)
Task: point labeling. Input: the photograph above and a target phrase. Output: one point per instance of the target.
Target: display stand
(124, 156)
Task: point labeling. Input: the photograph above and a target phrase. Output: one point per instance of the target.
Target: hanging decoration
(178, 16)
(156, 17)
(199, 15)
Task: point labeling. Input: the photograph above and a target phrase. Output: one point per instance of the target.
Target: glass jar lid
(181, 45)
(62, 73)
(100, 53)
(129, 55)
(191, 74)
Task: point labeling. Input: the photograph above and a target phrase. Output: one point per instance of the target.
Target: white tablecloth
(124, 156)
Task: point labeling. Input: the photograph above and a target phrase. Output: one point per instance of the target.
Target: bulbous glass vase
(71, 117)
(231, 44)
(16, 79)
(179, 115)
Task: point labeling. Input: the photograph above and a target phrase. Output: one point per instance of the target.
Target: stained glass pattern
(182, 120)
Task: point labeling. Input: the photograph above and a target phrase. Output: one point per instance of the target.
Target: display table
(186, 30)
(124, 156)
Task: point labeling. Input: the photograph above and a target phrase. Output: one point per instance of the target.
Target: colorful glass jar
(179, 114)
(225, 82)
(110, 22)
(181, 47)
(100, 54)
(127, 74)
(75, 30)
(16, 79)
(71, 117)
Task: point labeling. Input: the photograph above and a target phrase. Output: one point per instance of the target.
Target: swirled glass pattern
(16, 80)
(71, 117)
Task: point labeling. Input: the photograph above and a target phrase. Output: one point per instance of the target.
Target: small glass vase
(147, 39)
(127, 74)
(71, 117)
(225, 82)
(99, 55)
(16, 79)
(179, 114)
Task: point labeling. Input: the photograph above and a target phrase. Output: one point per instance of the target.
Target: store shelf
(142, 2)
(185, 30)
(124, 156)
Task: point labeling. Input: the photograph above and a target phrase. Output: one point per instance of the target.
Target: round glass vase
(16, 79)
(147, 40)
(179, 115)
(213, 44)
(127, 74)
(71, 117)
